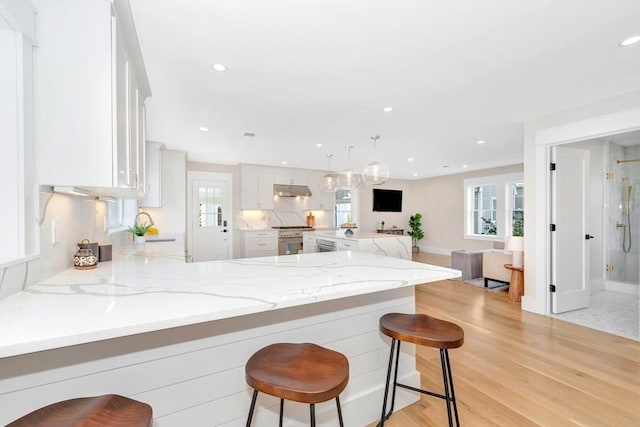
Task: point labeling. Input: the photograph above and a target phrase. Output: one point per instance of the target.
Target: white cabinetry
(319, 200)
(258, 243)
(90, 92)
(153, 175)
(347, 245)
(256, 187)
(308, 243)
(290, 176)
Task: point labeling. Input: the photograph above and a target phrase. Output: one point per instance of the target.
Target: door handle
(588, 236)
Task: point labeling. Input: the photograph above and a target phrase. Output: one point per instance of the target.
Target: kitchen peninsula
(397, 246)
(177, 335)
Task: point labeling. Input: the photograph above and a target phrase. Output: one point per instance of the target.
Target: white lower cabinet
(308, 243)
(258, 243)
(347, 245)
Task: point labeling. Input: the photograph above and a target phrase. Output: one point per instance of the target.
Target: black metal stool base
(312, 411)
(449, 395)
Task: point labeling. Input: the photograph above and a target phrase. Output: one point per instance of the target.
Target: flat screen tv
(387, 200)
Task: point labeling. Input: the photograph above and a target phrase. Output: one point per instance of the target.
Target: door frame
(214, 176)
(538, 250)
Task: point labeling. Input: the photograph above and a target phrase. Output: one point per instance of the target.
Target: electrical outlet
(55, 231)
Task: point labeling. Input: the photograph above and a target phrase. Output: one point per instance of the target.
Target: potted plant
(139, 231)
(415, 231)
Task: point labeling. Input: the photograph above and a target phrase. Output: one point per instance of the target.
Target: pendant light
(349, 179)
(375, 173)
(329, 181)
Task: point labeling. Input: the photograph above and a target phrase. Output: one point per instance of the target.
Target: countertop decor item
(86, 244)
(140, 229)
(85, 259)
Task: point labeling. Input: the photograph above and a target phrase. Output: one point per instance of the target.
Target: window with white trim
(345, 210)
(493, 207)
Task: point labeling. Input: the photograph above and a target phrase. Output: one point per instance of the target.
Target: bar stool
(305, 373)
(422, 330)
(110, 410)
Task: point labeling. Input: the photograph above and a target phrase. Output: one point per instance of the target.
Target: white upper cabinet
(290, 176)
(319, 200)
(153, 175)
(89, 100)
(256, 187)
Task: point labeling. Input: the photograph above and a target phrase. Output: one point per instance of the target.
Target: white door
(569, 248)
(209, 213)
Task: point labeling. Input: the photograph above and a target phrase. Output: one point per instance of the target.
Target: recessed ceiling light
(284, 162)
(318, 145)
(410, 159)
(415, 174)
(481, 142)
(219, 67)
(465, 166)
(203, 129)
(631, 40)
(387, 109)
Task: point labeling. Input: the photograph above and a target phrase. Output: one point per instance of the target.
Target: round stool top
(422, 329)
(304, 373)
(110, 410)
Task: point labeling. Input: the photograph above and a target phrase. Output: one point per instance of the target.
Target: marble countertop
(150, 289)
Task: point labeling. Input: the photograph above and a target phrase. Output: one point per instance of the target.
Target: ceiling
(302, 73)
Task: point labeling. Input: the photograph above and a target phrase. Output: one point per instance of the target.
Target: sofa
(493, 261)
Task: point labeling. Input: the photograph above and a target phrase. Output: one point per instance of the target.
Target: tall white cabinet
(91, 87)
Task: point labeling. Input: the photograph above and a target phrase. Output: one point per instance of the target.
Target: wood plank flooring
(522, 369)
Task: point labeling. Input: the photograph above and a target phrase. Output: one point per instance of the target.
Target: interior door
(210, 217)
(569, 253)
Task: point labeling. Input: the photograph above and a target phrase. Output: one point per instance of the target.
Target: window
(18, 196)
(209, 206)
(345, 208)
(494, 207)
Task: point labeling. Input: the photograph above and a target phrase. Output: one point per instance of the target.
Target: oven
(290, 239)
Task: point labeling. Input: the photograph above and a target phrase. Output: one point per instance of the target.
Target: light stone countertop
(357, 235)
(152, 288)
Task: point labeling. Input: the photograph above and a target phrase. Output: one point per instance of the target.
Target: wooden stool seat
(305, 373)
(422, 330)
(110, 410)
(427, 331)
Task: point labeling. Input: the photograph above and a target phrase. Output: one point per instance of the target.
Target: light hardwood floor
(522, 369)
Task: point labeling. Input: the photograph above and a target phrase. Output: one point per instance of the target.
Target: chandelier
(375, 173)
(329, 181)
(349, 179)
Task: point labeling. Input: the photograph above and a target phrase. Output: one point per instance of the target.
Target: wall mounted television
(387, 200)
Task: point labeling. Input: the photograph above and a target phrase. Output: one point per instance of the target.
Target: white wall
(77, 219)
(369, 221)
(441, 202)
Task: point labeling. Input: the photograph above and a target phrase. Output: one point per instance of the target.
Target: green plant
(518, 223)
(489, 226)
(415, 224)
(139, 230)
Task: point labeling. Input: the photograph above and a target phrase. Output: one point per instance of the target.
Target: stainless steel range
(290, 238)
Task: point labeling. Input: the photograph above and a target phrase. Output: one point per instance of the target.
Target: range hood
(282, 190)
